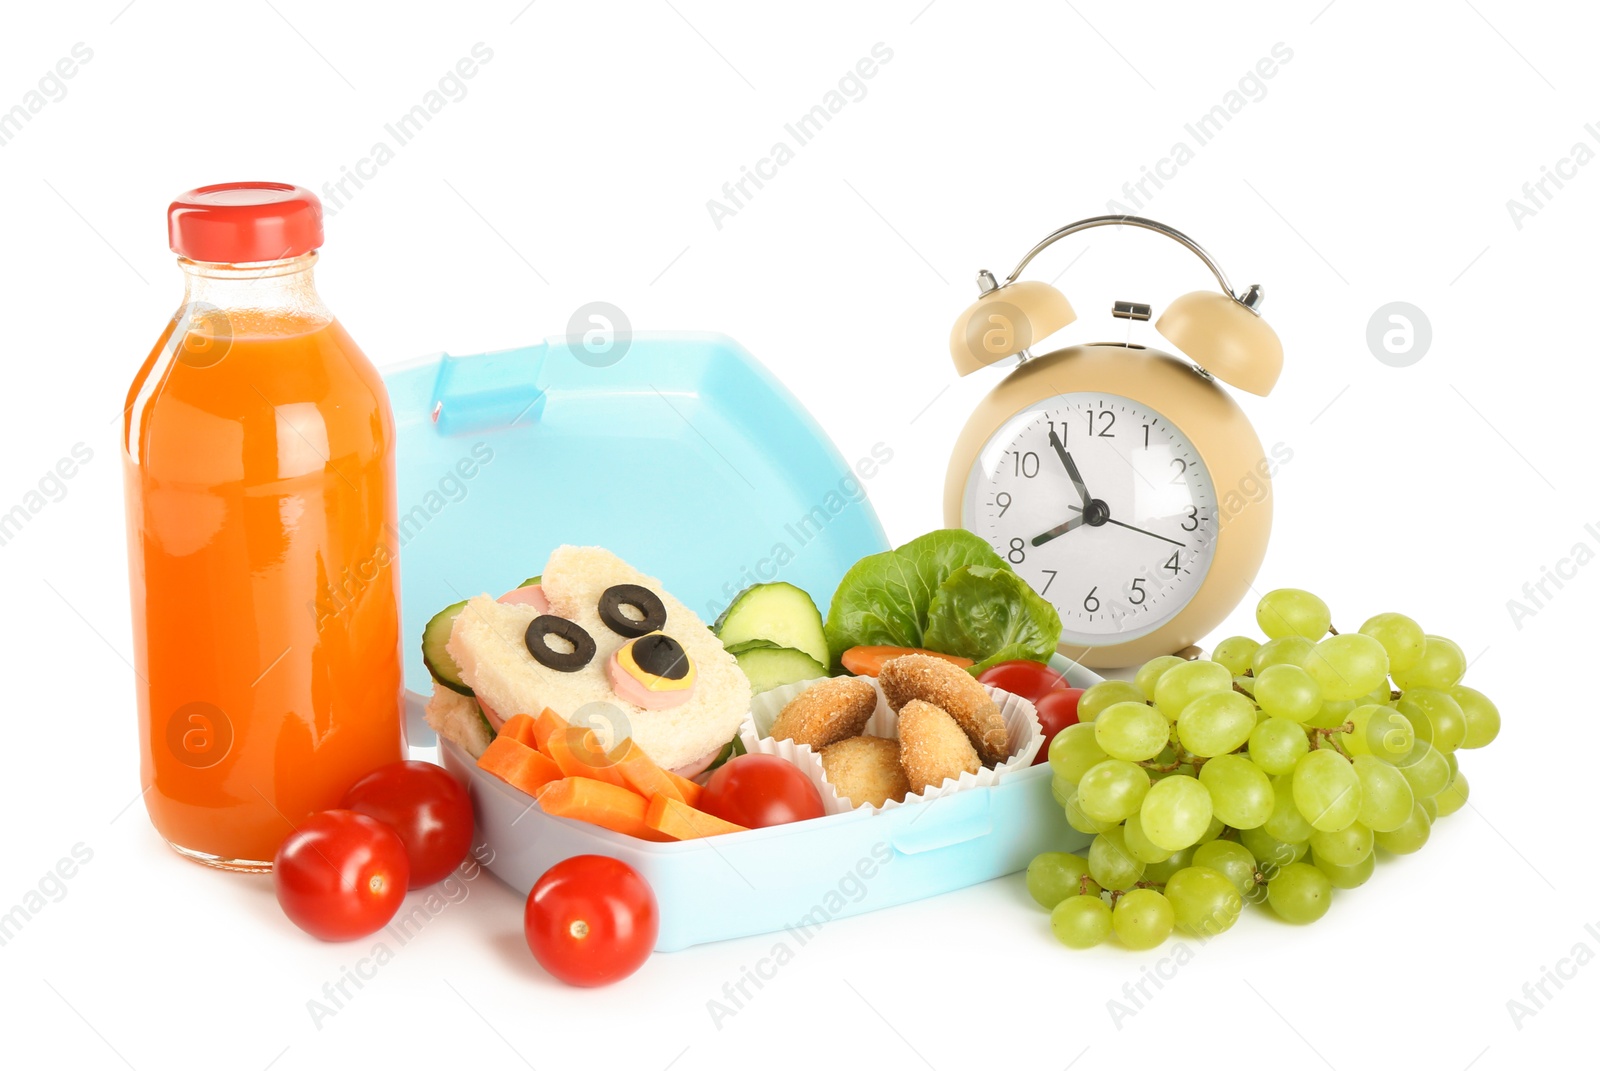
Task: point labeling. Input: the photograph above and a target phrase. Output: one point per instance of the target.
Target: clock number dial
(1025, 464)
(1118, 531)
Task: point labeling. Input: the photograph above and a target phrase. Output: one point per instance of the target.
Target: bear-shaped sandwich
(594, 630)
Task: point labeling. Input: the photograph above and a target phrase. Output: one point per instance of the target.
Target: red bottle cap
(245, 222)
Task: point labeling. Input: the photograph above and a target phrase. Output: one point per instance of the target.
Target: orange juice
(258, 461)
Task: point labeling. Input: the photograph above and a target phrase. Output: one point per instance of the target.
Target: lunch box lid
(681, 453)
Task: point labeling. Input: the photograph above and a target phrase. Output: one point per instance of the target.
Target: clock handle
(1250, 299)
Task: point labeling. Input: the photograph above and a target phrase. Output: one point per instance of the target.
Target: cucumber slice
(488, 726)
(769, 666)
(731, 750)
(781, 614)
(435, 634)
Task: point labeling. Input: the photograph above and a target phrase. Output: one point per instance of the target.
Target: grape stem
(1338, 745)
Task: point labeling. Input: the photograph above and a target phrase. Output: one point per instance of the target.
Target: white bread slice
(456, 717)
(487, 644)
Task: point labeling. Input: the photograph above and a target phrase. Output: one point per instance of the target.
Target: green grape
(1347, 847)
(1158, 873)
(1073, 751)
(1176, 812)
(1347, 877)
(1145, 680)
(1269, 851)
(1284, 651)
(1454, 796)
(1235, 652)
(1277, 744)
(1410, 836)
(1204, 901)
(1430, 807)
(1292, 612)
(1436, 717)
(1142, 919)
(1139, 845)
(1054, 876)
(1382, 732)
(1061, 790)
(1427, 771)
(1112, 790)
(1131, 731)
(1182, 685)
(1286, 823)
(1214, 830)
(1454, 765)
(1441, 665)
(1332, 714)
(1300, 893)
(1386, 795)
(1081, 921)
(1286, 691)
(1097, 697)
(1082, 822)
(1230, 859)
(1241, 794)
(1245, 686)
(1326, 790)
(1110, 862)
(1401, 638)
(1217, 723)
(1482, 716)
(1348, 666)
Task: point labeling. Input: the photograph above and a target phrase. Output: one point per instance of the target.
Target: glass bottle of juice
(258, 455)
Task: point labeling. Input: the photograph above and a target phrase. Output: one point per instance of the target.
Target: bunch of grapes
(1269, 773)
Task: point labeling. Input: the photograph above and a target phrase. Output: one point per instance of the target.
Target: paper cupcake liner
(1024, 737)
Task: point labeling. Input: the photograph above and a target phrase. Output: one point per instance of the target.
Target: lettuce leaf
(990, 616)
(946, 587)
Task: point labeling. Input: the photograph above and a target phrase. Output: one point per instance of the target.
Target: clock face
(1104, 506)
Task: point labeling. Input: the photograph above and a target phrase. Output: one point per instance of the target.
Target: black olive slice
(661, 656)
(546, 625)
(653, 615)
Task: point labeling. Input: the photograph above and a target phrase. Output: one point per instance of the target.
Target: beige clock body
(1238, 468)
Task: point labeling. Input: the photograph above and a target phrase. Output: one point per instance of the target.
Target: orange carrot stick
(680, 821)
(599, 803)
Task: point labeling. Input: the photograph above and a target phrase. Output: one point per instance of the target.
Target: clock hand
(1059, 530)
(1072, 469)
(1101, 515)
(1131, 528)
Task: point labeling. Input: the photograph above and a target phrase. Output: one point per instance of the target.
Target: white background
(1376, 168)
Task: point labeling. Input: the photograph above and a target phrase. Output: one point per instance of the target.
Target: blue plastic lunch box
(687, 458)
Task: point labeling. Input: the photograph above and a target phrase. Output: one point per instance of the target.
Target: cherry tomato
(1057, 710)
(1031, 680)
(591, 920)
(760, 790)
(426, 806)
(341, 875)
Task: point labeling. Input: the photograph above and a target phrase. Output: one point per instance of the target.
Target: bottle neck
(277, 297)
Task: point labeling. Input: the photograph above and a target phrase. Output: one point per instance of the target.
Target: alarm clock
(1123, 483)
